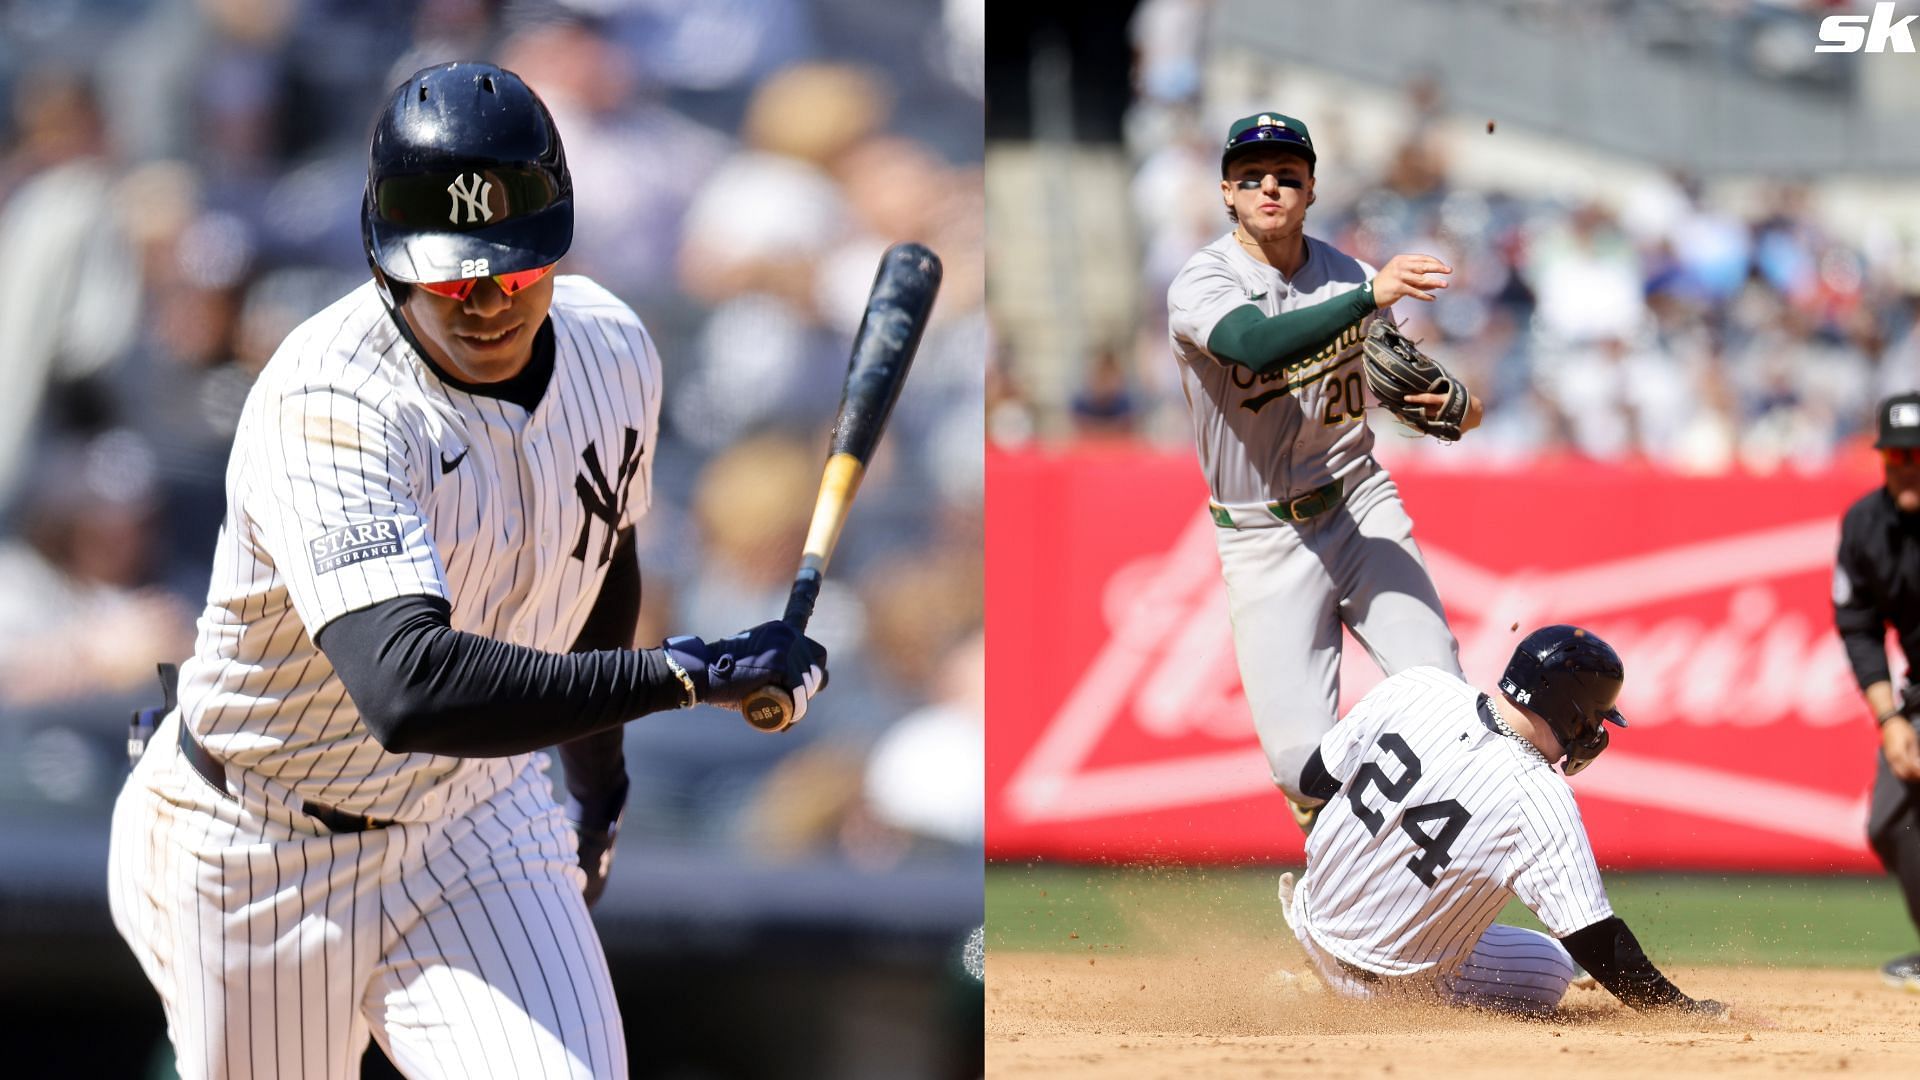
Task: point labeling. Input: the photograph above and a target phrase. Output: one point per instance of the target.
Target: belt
(1311, 505)
(215, 773)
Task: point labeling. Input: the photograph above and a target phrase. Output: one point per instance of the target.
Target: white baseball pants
(1511, 969)
(278, 948)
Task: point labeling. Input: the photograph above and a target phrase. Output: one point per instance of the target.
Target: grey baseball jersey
(1289, 430)
(1292, 585)
(1440, 819)
(457, 936)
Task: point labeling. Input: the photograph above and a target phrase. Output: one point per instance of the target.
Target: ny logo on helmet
(470, 191)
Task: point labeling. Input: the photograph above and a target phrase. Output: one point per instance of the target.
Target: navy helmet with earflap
(1571, 679)
(466, 178)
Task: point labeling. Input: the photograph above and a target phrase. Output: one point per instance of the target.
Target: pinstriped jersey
(1292, 429)
(1439, 820)
(359, 475)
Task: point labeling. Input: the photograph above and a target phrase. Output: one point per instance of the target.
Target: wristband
(1881, 720)
(686, 680)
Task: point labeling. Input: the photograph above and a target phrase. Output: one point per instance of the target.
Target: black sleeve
(1612, 955)
(1856, 608)
(1315, 780)
(596, 764)
(424, 687)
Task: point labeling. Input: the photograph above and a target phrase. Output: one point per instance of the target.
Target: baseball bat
(883, 348)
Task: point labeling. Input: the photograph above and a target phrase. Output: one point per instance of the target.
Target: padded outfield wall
(1120, 732)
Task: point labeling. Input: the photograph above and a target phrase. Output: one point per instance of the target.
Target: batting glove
(596, 858)
(1709, 1008)
(596, 833)
(811, 683)
(725, 672)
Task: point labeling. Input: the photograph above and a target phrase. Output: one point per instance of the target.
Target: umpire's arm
(1859, 615)
(1856, 615)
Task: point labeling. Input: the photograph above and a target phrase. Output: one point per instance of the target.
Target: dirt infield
(1251, 1009)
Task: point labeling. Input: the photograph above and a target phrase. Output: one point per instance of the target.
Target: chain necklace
(1500, 725)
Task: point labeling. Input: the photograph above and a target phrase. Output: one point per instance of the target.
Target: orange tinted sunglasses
(1900, 455)
(509, 283)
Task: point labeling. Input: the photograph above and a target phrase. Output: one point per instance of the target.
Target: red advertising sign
(1118, 729)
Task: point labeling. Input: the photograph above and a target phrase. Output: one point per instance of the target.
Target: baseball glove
(1396, 369)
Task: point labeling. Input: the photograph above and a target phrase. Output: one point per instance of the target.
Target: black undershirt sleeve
(1315, 780)
(1612, 955)
(424, 687)
(596, 764)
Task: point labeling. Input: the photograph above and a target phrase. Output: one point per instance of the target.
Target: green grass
(1680, 918)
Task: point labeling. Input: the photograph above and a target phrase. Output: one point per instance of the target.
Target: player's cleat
(1304, 816)
(1904, 973)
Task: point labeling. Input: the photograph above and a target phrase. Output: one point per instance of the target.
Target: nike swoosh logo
(447, 466)
(1256, 297)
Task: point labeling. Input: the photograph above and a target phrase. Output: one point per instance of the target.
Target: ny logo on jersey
(470, 191)
(603, 500)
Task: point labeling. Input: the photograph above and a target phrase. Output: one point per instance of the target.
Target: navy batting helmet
(1571, 679)
(466, 178)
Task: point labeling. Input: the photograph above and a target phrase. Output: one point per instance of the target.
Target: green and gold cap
(1266, 131)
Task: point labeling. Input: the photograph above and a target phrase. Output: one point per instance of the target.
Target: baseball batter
(1443, 804)
(426, 574)
(1267, 324)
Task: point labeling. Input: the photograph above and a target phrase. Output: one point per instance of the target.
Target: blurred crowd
(1762, 39)
(1654, 323)
(180, 183)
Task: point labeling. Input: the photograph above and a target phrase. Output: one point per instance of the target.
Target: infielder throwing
(1268, 324)
(1443, 803)
(426, 574)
